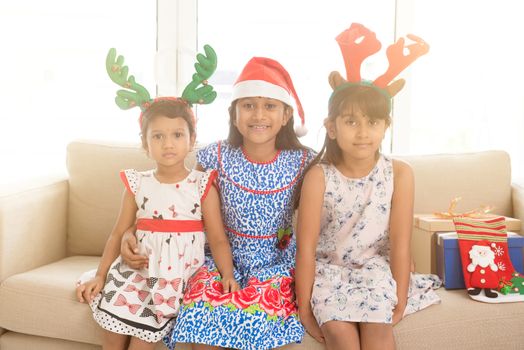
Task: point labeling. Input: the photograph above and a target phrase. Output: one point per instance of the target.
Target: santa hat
(483, 243)
(266, 77)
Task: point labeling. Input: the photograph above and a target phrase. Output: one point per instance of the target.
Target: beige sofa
(54, 229)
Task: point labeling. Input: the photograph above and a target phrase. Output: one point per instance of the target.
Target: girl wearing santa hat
(258, 167)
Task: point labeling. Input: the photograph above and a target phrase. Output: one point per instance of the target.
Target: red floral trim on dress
(302, 164)
(274, 297)
(255, 162)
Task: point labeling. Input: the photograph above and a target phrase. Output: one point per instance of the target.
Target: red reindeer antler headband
(357, 43)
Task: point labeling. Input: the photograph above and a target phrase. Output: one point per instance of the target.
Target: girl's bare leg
(204, 347)
(377, 336)
(139, 344)
(114, 341)
(341, 335)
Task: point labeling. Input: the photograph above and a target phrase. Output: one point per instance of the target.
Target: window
(54, 85)
(300, 35)
(464, 96)
(467, 94)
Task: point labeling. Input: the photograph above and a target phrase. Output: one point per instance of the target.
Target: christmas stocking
(489, 275)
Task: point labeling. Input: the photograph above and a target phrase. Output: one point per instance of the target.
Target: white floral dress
(144, 303)
(353, 279)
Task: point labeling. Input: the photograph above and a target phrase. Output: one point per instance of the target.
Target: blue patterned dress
(257, 211)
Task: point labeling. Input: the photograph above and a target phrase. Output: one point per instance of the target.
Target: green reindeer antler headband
(136, 95)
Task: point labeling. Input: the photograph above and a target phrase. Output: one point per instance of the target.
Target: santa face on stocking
(482, 256)
(482, 267)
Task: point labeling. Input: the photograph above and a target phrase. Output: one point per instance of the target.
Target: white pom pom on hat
(266, 77)
(301, 130)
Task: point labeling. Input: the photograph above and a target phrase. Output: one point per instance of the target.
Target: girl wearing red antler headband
(353, 279)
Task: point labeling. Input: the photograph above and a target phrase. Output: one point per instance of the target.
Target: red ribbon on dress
(160, 225)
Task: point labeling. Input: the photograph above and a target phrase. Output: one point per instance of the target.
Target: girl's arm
(218, 241)
(129, 250)
(400, 226)
(126, 218)
(308, 229)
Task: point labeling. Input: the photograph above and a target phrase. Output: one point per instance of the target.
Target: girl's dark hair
(369, 100)
(286, 137)
(169, 107)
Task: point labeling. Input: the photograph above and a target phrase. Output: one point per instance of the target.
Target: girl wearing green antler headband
(138, 307)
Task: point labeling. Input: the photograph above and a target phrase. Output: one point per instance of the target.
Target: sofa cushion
(42, 302)
(482, 178)
(19, 341)
(462, 323)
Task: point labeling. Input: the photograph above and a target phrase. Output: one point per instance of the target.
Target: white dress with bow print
(144, 303)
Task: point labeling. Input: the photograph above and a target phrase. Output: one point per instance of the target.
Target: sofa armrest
(517, 197)
(33, 222)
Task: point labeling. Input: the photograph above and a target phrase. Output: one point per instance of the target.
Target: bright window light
(54, 85)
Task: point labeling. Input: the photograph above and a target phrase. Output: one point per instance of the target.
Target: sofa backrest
(96, 189)
(481, 178)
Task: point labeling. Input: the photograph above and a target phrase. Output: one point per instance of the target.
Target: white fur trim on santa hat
(260, 88)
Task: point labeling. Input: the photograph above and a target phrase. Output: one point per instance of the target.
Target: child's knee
(379, 330)
(139, 344)
(338, 329)
(115, 341)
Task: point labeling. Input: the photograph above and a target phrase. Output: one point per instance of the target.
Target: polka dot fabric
(130, 177)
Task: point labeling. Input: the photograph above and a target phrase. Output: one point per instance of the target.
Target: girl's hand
(89, 290)
(230, 285)
(311, 325)
(129, 252)
(398, 315)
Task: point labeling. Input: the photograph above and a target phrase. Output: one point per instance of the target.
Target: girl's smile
(259, 127)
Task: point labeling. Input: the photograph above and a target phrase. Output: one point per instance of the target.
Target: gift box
(426, 228)
(449, 265)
